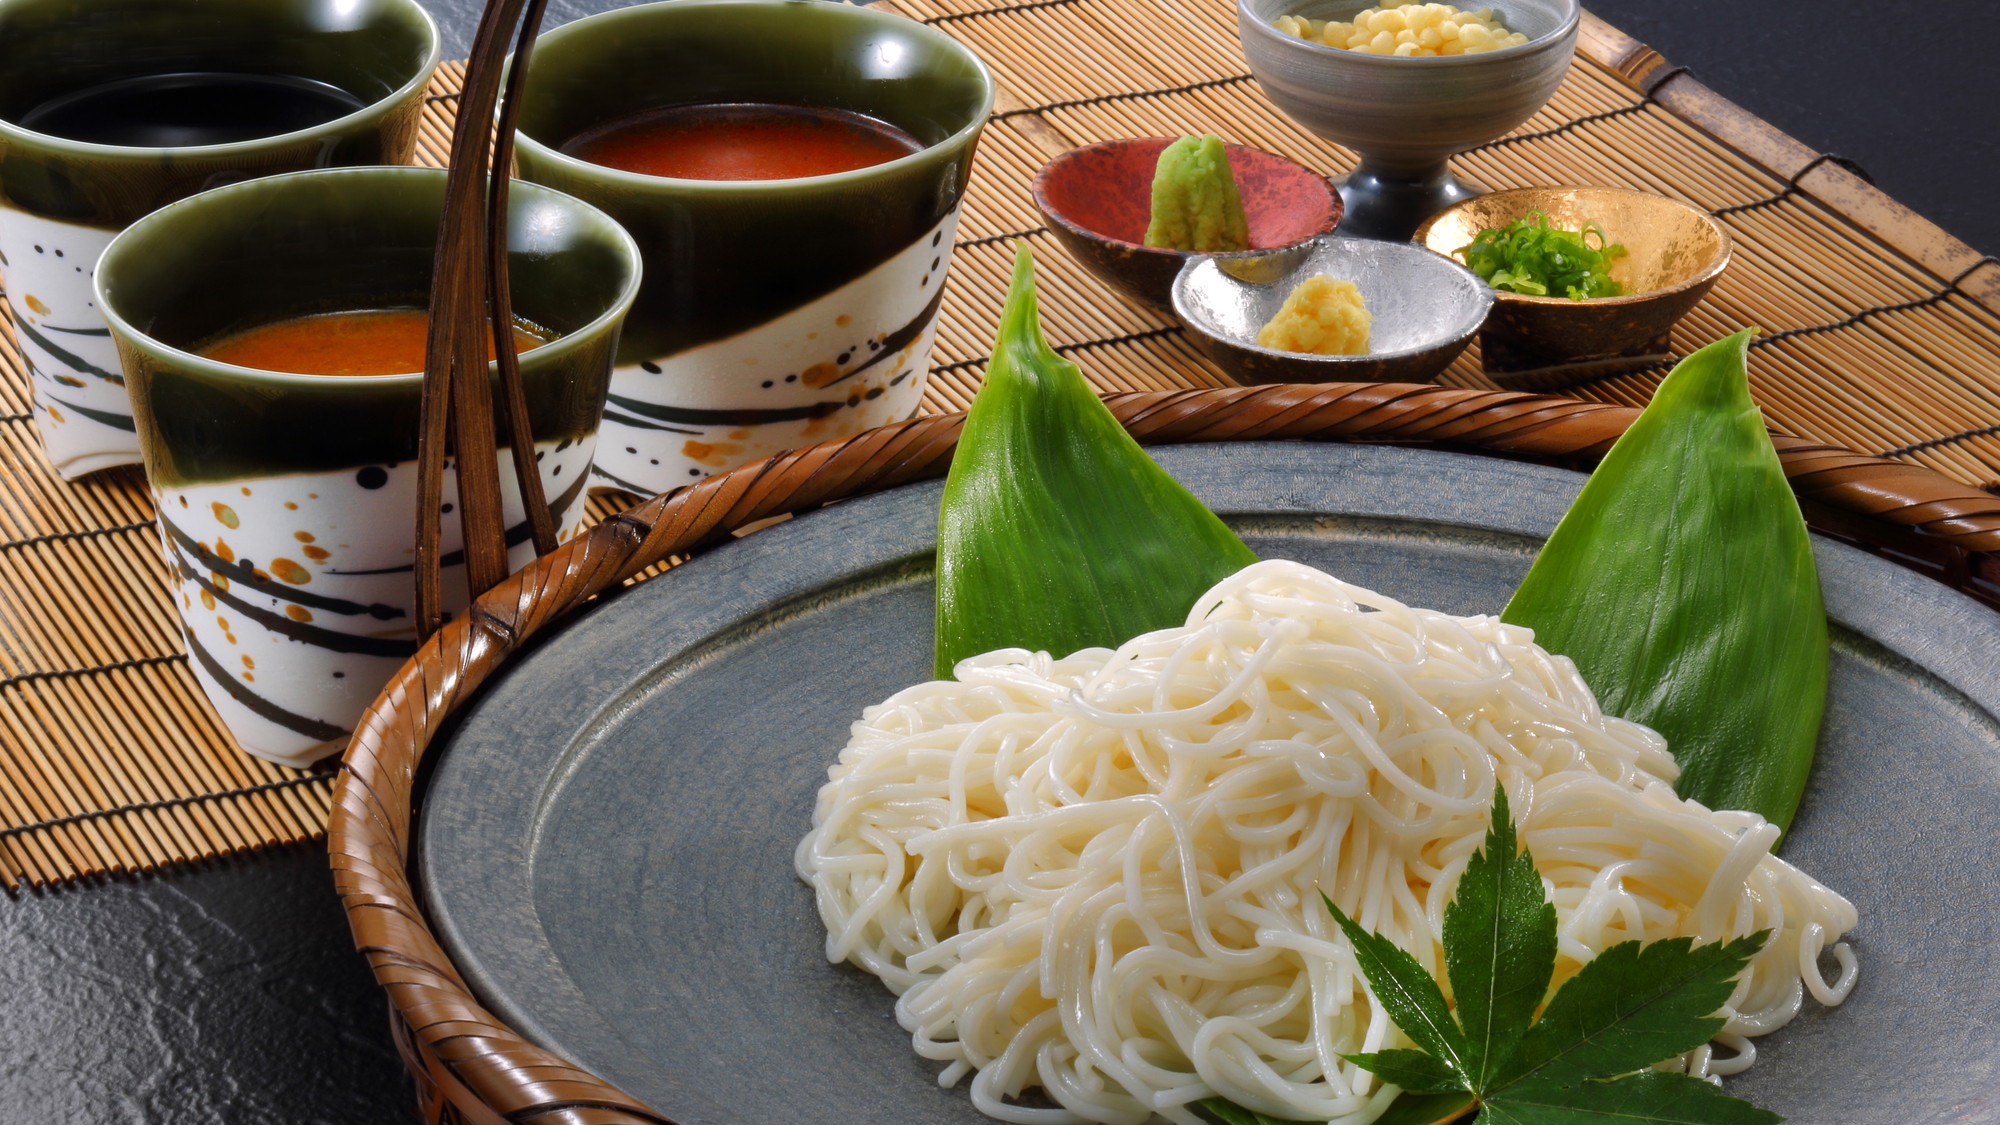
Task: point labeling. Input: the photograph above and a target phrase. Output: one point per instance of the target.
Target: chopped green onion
(1529, 256)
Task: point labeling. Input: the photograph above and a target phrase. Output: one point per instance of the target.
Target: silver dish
(1425, 309)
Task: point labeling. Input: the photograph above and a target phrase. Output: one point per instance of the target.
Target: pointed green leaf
(1057, 532)
(1631, 1007)
(1499, 946)
(1428, 1109)
(1407, 992)
(1641, 1099)
(1414, 1071)
(1682, 584)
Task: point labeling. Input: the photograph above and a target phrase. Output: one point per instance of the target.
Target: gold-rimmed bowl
(1674, 253)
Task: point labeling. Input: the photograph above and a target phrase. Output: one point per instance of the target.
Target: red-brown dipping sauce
(363, 342)
(742, 141)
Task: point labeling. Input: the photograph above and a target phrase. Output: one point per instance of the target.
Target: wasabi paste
(1195, 203)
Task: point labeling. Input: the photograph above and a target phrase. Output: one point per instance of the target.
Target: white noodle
(1100, 875)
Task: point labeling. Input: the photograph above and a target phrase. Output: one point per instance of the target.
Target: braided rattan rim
(471, 1067)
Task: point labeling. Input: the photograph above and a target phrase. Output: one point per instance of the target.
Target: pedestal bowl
(1406, 116)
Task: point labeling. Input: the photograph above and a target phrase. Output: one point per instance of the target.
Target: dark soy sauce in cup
(192, 108)
(742, 141)
(358, 342)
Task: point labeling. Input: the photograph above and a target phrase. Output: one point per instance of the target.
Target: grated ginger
(1322, 316)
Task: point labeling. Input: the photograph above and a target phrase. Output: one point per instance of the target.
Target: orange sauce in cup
(361, 342)
(742, 141)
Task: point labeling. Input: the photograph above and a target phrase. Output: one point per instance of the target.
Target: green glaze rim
(942, 150)
(367, 114)
(166, 353)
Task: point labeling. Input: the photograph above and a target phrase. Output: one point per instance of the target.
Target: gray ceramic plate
(607, 845)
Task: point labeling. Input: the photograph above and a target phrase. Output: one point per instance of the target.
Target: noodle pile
(1099, 875)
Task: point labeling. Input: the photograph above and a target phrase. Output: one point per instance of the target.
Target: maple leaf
(1587, 1060)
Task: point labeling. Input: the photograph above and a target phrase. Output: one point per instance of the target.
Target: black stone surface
(228, 993)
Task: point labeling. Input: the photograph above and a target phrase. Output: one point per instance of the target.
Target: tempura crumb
(1408, 30)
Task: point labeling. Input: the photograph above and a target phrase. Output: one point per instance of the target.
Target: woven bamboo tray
(1884, 337)
(469, 1065)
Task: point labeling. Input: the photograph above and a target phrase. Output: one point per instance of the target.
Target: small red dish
(1098, 199)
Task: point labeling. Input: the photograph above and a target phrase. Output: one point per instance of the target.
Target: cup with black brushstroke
(792, 172)
(271, 334)
(112, 108)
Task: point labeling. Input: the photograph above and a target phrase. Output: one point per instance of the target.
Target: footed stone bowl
(1406, 116)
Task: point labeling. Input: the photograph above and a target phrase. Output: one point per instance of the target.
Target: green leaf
(1057, 532)
(1499, 947)
(1428, 1109)
(1651, 1096)
(1631, 1007)
(1682, 584)
(1407, 992)
(1414, 1071)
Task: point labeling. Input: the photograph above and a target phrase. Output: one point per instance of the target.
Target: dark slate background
(1909, 91)
(229, 992)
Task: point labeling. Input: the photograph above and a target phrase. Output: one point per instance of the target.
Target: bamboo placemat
(1883, 335)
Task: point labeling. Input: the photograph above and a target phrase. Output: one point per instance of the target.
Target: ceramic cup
(287, 503)
(775, 313)
(62, 200)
